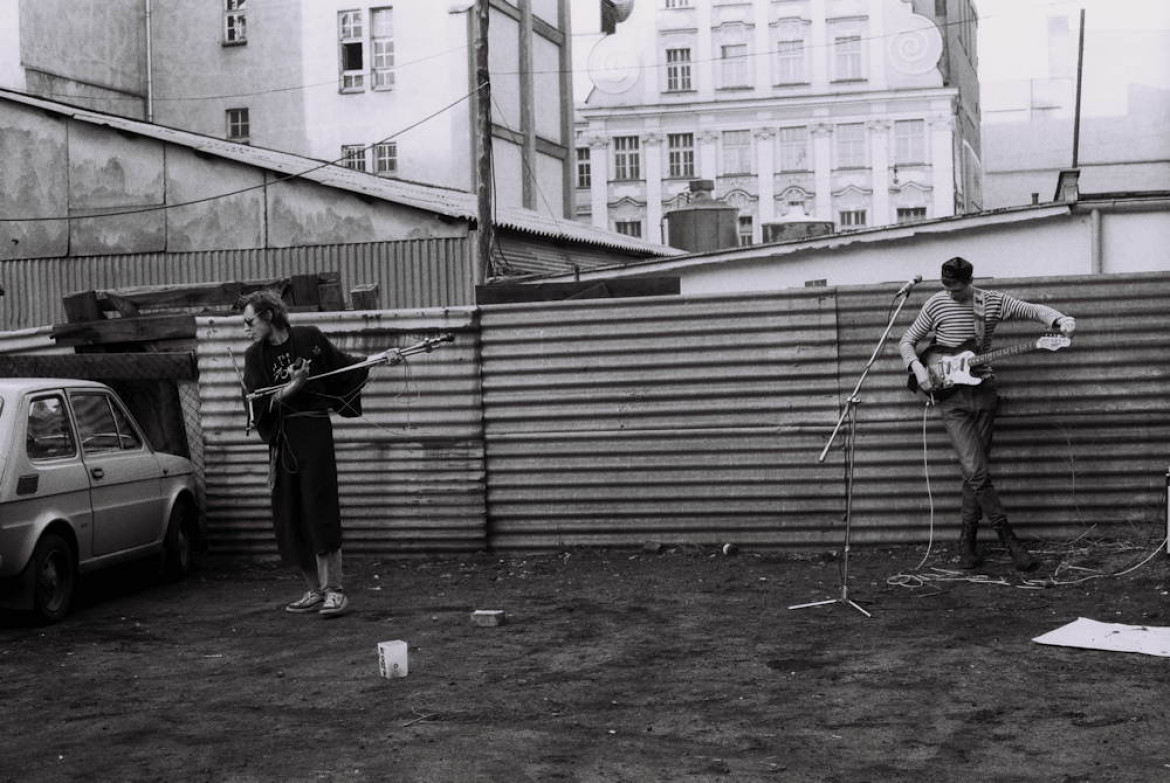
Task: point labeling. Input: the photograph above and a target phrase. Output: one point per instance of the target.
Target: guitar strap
(980, 306)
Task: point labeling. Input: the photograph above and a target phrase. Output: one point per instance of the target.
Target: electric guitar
(951, 367)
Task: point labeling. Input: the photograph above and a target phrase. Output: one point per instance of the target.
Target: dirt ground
(681, 664)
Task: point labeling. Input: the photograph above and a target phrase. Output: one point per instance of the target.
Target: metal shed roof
(444, 201)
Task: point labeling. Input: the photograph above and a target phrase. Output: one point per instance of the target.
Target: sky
(1126, 42)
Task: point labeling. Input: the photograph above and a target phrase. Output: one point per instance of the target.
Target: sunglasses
(249, 321)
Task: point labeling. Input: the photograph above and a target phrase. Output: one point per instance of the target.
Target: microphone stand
(849, 413)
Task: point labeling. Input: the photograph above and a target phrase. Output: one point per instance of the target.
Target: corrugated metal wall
(669, 419)
(701, 419)
(411, 468)
(410, 274)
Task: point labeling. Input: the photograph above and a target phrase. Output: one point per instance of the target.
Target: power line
(278, 180)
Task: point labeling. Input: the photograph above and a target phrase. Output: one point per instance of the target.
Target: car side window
(127, 436)
(48, 434)
(96, 424)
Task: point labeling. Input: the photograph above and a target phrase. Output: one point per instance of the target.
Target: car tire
(179, 546)
(54, 578)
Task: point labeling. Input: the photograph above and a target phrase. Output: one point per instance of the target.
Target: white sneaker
(309, 602)
(336, 604)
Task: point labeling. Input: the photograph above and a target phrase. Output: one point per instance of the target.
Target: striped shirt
(954, 322)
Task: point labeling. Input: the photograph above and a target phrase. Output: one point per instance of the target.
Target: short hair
(267, 301)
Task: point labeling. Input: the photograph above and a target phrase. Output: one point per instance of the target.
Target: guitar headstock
(1054, 341)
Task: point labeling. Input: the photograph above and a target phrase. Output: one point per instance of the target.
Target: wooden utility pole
(483, 124)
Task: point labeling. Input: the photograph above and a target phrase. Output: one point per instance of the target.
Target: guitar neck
(1000, 353)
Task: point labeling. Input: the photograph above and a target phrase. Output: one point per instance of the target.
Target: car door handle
(97, 473)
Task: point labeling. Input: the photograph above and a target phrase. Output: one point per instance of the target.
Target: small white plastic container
(392, 659)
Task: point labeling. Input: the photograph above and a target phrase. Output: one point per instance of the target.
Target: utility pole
(1077, 111)
(483, 123)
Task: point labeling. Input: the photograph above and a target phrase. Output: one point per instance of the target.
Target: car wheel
(180, 542)
(54, 577)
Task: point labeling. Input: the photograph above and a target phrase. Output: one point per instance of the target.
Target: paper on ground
(1115, 637)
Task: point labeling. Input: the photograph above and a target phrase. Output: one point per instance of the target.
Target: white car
(81, 489)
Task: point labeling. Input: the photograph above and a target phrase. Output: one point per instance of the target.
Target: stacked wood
(148, 314)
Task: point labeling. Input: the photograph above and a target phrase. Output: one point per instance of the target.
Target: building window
(627, 162)
(351, 32)
(631, 228)
(584, 168)
(385, 159)
(847, 57)
(851, 146)
(678, 70)
(852, 218)
(678, 3)
(794, 149)
(382, 47)
(737, 152)
(909, 141)
(239, 127)
(745, 230)
(681, 154)
(910, 214)
(235, 23)
(353, 156)
(734, 59)
(790, 54)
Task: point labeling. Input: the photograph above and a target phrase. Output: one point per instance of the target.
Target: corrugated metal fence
(410, 273)
(701, 420)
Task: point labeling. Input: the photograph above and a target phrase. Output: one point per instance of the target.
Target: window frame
(679, 72)
(909, 149)
(858, 156)
(680, 155)
(743, 157)
(382, 78)
(351, 32)
(848, 64)
(69, 433)
(351, 154)
(629, 228)
(380, 156)
(627, 159)
(735, 71)
(746, 239)
(584, 167)
(852, 218)
(791, 53)
(903, 216)
(235, 119)
(235, 22)
(788, 138)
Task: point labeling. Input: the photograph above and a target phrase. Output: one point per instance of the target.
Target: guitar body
(951, 367)
(948, 367)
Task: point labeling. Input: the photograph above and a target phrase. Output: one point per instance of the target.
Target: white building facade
(860, 113)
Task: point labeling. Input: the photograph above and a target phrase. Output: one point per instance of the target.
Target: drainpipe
(149, 69)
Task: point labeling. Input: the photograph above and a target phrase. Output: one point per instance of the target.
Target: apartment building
(387, 87)
(864, 113)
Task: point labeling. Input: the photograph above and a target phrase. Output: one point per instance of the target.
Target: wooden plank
(82, 306)
(365, 296)
(102, 366)
(126, 330)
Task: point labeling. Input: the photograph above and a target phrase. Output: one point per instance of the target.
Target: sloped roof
(444, 201)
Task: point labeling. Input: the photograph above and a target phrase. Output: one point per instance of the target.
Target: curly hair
(267, 301)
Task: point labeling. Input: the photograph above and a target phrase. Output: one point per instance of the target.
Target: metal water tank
(704, 224)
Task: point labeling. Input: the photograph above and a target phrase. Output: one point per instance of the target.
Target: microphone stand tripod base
(844, 599)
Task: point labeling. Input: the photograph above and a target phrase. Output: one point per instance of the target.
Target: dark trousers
(969, 416)
(306, 512)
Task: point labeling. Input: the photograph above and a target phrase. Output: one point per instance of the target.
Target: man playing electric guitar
(962, 316)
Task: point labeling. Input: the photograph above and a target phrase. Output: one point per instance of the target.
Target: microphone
(909, 284)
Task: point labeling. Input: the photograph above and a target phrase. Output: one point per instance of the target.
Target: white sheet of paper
(1115, 637)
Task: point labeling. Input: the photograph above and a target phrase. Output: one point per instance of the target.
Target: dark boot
(969, 558)
(1021, 558)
